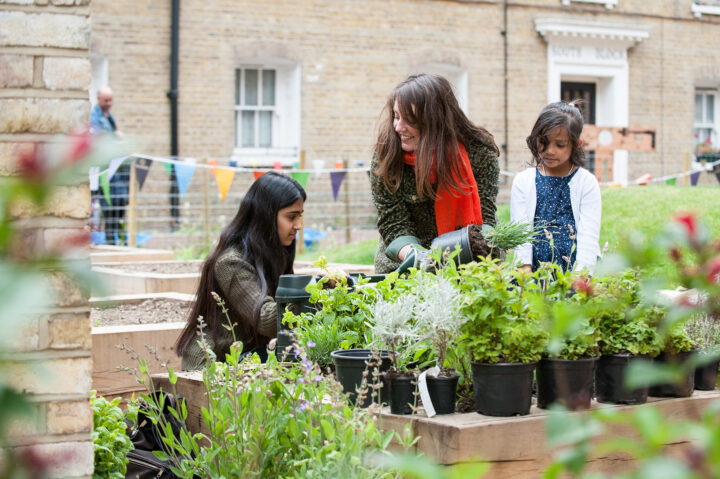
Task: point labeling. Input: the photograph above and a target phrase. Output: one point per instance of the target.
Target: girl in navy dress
(557, 195)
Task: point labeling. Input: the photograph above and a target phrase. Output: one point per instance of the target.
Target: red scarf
(455, 212)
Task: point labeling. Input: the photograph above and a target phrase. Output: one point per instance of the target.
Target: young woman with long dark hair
(253, 251)
(434, 171)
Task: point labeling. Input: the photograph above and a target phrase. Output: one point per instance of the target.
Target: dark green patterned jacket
(404, 219)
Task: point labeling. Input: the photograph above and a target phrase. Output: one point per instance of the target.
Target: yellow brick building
(261, 80)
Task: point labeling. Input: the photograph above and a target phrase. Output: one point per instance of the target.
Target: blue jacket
(100, 123)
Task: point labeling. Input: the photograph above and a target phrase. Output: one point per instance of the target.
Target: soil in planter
(478, 245)
(150, 311)
(174, 267)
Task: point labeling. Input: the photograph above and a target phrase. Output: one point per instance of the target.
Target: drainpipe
(172, 95)
(505, 87)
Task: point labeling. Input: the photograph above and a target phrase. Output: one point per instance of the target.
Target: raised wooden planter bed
(106, 253)
(106, 378)
(516, 446)
(147, 277)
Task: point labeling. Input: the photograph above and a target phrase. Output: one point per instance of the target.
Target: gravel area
(179, 267)
(148, 312)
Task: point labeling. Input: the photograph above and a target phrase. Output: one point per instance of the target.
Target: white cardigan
(586, 207)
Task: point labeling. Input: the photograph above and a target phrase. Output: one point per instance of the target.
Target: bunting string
(185, 168)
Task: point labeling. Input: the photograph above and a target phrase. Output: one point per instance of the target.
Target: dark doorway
(583, 91)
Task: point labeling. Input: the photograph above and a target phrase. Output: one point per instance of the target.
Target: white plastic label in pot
(424, 393)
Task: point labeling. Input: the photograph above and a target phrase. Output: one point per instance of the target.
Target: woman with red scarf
(433, 172)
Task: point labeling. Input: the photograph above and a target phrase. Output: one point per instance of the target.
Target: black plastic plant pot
(349, 367)
(449, 240)
(290, 294)
(443, 393)
(706, 376)
(610, 373)
(680, 390)
(503, 389)
(401, 390)
(565, 381)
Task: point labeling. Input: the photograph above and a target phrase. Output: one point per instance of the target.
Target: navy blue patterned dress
(553, 214)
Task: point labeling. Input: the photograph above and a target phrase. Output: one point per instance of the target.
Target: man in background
(113, 213)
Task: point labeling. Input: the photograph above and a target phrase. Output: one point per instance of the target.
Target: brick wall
(353, 53)
(44, 76)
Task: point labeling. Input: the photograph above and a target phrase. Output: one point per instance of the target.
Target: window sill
(609, 4)
(699, 10)
(265, 157)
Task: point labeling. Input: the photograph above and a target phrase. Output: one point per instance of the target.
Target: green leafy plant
(276, 420)
(627, 325)
(501, 326)
(344, 315)
(110, 440)
(696, 263)
(271, 420)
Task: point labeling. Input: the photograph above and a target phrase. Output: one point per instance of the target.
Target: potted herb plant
(704, 330)
(565, 373)
(627, 334)
(439, 320)
(503, 337)
(679, 348)
(395, 328)
(484, 240)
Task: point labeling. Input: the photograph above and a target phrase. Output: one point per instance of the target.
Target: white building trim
(569, 29)
(608, 3)
(698, 10)
(593, 52)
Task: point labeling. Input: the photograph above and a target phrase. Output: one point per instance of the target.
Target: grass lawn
(644, 208)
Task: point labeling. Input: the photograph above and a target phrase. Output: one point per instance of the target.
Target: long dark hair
(428, 103)
(558, 115)
(254, 232)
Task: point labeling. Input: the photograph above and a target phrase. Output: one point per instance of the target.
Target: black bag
(145, 436)
(144, 465)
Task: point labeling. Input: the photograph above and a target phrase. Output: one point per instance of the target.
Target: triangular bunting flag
(168, 168)
(105, 183)
(114, 165)
(671, 181)
(258, 174)
(233, 163)
(300, 177)
(224, 177)
(184, 173)
(94, 177)
(277, 165)
(336, 179)
(213, 163)
(694, 177)
(142, 168)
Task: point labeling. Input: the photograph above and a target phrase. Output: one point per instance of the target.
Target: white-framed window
(708, 7)
(255, 106)
(608, 3)
(706, 120)
(267, 113)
